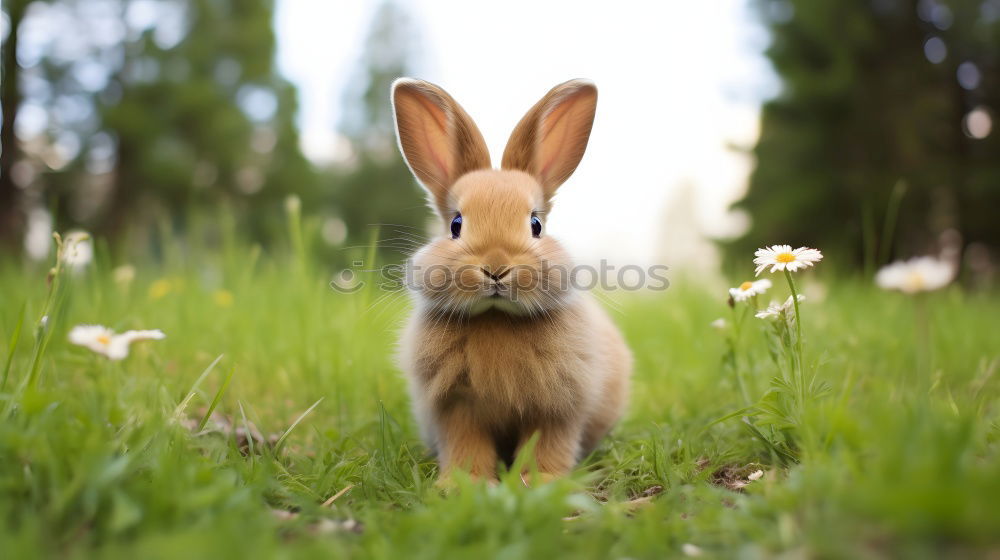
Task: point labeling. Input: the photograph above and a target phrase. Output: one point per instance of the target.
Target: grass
(901, 457)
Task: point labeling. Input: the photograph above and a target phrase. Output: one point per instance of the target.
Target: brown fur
(500, 347)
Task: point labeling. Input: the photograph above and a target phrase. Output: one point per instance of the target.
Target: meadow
(272, 421)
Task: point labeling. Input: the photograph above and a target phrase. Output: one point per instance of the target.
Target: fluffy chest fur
(509, 368)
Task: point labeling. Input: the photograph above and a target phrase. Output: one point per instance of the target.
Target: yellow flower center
(785, 258)
(104, 339)
(915, 281)
(746, 286)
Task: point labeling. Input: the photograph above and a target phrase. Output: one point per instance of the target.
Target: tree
(166, 106)
(11, 219)
(874, 95)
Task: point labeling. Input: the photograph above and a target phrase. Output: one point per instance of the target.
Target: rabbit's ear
(551, 138)
(438, 139)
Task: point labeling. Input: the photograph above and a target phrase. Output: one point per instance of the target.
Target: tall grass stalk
(923, 337)
(293, 209)
(869, 243)
(12, 346)
(889, 225)
(733, 340)
(284, 436)
(53, 300)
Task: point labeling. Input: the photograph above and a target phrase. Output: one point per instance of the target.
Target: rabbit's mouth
(497, 298)
(497, 290)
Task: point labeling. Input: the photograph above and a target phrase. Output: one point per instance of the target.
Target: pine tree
(180, 108)
(11, 213)
(871, 103)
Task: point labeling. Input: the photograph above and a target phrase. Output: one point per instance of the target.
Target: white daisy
(105, 342)
(783, 257)
(772, 312)
(747, 290)
(691, 550)
(775, 310)
(920, 274)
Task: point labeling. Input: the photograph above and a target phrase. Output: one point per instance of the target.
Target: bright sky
(679, 82)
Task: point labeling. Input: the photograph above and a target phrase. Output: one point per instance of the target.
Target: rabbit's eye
(456, 226)
(536, 227)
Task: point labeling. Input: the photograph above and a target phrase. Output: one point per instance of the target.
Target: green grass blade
(55, 303)
(370, 258)
(246, 426)
(281, 440)
(13, 346)
(889, 226)
(868, 241)
(786, 457)
(194, 387)
(218, 397)
(735, 414)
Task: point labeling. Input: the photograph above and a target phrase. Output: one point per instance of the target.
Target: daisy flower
(783, 257)
(920, 274)
(775, 310)
(105, 342)
(691, 550)
(747, 290)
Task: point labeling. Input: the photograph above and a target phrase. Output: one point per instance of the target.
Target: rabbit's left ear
(550, 140)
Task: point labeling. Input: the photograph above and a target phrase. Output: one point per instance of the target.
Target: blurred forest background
(883, 134)
(136, 119)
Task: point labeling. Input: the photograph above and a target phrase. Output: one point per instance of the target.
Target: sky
(680, 86)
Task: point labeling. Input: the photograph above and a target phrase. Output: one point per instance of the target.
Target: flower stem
(734, 341)
(923, 337)
(798, 318)
(43, 330)
(798, 339)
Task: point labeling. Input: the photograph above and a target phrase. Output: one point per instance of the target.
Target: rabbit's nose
(495, 274)
(496, 265)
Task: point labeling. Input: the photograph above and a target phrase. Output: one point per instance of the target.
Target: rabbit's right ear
(438, 139)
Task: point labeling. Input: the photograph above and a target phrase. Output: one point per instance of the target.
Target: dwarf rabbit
(500, 346)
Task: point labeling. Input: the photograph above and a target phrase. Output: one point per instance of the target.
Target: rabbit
(500, 346)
